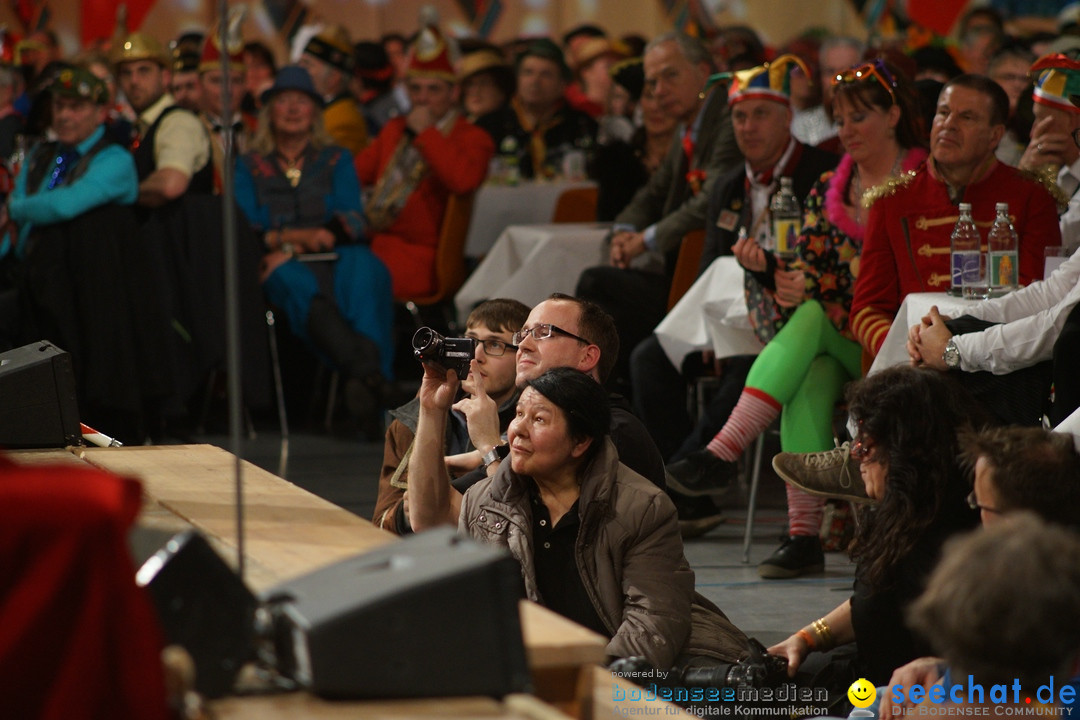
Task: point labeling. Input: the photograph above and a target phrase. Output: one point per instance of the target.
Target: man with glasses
(564, 331)
(1009, 69)
(480, 417)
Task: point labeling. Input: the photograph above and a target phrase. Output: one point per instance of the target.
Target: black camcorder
(447, 353)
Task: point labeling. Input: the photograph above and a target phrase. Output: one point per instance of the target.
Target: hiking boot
(798, 555)
(826, 474)
(702, 473)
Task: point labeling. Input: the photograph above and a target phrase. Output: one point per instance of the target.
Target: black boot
(355, 355)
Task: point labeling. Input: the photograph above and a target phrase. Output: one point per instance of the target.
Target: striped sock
(754, 412)
(804, 512)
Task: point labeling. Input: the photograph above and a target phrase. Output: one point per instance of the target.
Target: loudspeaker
(38, 406)
(203, 606)
(433, 615)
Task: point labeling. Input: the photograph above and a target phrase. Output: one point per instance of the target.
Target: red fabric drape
(98, 21)
(78, 638)
(937, 15)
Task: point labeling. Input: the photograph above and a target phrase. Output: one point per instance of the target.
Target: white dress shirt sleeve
(1031, 318)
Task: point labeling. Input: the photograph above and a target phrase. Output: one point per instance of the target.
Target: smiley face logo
(862, 693)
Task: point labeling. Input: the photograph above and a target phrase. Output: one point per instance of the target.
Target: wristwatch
(951, 355)
(495, 454)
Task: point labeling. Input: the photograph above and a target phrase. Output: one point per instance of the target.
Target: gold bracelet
(822, 629)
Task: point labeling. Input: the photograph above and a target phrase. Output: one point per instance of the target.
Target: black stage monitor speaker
(204, 607)
(432, 615)
(38, 407)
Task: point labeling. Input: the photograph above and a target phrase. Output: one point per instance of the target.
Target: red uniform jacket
(457, 163)
(906, 248)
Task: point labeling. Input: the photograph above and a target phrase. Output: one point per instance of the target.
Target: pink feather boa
(838, 184)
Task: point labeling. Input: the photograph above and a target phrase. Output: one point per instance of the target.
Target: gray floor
(346, 472)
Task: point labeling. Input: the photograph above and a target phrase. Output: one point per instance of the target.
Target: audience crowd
(346, 164)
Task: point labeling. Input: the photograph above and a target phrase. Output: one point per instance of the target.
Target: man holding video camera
(565, 331)
(562, 331)
(478, 419)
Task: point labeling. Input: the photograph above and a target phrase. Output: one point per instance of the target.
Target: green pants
(804, 368)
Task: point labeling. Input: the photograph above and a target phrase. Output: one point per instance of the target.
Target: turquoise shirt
(110, 178)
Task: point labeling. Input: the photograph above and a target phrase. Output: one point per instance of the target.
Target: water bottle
(786, 220)
(508, 151)
(1002, 246)
(967, 275)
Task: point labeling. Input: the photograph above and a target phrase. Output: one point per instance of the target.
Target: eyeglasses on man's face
(494, 347)
(542, 331)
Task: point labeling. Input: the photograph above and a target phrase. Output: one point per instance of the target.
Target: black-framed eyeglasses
(973, 503)
(542, 331)
(875, 69)
(495, 347)
(1076, 137)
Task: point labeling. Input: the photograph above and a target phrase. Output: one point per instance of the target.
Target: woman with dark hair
(802, 371)
(909, 421)
(597, 542)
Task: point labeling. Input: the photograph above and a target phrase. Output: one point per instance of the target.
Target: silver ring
(1039, 147)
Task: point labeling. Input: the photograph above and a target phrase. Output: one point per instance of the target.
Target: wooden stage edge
(289, 532)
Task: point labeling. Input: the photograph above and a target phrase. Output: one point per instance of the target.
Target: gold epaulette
(889, 187)
(1046, 175)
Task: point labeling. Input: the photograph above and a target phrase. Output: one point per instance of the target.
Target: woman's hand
(790, 287)
(750, 255)
(794, 649)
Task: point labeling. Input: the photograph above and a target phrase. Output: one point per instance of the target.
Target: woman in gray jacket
(597, 542)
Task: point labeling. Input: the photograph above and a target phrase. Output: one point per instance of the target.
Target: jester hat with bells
(771, 81)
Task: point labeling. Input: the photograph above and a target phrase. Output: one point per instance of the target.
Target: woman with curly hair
(908, 447)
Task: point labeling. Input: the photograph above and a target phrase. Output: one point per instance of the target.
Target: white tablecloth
(711, 313)
(499, 206)
(912, 310)
(529, 262)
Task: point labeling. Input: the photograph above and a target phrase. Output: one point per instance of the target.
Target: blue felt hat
(292, 77)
